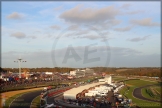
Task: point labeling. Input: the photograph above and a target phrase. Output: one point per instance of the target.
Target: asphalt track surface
(137, 93)
(24, 101)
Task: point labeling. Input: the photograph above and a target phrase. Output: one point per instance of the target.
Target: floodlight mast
(19, 61)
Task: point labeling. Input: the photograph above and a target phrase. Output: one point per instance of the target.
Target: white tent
(71, 94)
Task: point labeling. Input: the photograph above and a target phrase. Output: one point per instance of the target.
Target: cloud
(73, 27)
(115, 50)
(80, 50)
(15, 15)
(139, 39)
(55, 27)
(98, 50)
(32, 58)
(145, 22)
(116, 60)
(114, 22)
(135, 12)
(125, 6)
(79, 14)
(105, 39)
(91, 34)
(82, 32)
(77, 33)
(108, 24)
(18, 35)
(123, 29)
(124, 51)
(95, 37)
(92, 37)
(33, 37)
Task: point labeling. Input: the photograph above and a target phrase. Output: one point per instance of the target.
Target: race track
(137, 93)
(24, 100)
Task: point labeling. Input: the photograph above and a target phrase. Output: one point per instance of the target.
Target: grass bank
(132, 84)
(36, 102)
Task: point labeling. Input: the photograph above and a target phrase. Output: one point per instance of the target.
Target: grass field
(36, 102)
(118, 79)
(146, 95)
(158, 89)
(123, 90)
(132, 84)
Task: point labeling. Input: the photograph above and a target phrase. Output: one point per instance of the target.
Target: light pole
(19, 61)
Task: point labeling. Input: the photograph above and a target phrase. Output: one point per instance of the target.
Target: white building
(82, 73)
(72, 93)
(48, 73)
(73, 73)
(77, 73)
(107, 80)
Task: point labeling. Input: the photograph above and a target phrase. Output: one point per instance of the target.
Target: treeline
(151, 72)
(147, 71)
(56, 69)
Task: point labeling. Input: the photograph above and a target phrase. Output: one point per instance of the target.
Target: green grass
(158, 88)
(146, 95)
(139, 83)
(36, 102)
(119, 79)
(122, 91)
(134, 84)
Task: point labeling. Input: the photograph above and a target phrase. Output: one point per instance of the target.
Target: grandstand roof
(71, 94)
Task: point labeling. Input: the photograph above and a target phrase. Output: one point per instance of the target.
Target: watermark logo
(81, 49)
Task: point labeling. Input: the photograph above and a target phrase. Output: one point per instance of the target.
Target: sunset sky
(81, 34)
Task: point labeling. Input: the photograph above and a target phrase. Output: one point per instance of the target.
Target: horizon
(82, 67)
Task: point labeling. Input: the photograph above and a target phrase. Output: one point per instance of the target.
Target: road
(24, 100)
(137, 93)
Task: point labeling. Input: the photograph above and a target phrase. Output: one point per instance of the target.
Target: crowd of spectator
(13, 82)
(102, 102)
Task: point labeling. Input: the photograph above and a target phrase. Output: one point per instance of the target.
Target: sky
(81, 34)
